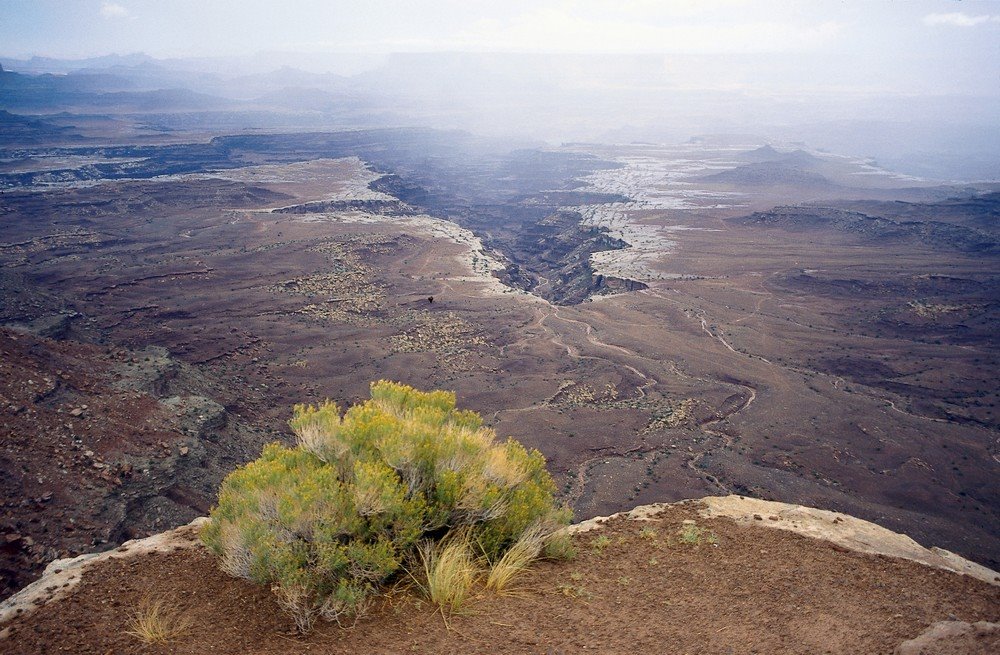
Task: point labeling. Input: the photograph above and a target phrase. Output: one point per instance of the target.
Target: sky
(924, 47)
(967, 30)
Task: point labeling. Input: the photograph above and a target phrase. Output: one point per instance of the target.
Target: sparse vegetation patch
(347, 289)
(664, 413)
(931, 310)
(692, 534)
(454, 340)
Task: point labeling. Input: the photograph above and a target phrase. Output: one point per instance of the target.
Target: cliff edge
(716, 575)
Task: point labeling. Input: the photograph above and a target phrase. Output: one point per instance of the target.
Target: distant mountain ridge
(553, 98)
(26, 130)
(770, 173)
(89, 92)
(767, 153)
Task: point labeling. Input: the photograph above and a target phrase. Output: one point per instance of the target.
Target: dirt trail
(588, 335)
(563, 340)
(546, 311)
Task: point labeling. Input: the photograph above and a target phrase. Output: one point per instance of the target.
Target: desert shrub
(328, 523)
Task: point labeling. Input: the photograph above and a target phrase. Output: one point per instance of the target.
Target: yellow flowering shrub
(328, 523)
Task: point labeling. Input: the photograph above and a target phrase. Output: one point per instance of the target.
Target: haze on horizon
(941, 46)
(872, 78)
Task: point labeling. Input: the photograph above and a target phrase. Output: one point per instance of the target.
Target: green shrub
(328, 523)
(559, 546)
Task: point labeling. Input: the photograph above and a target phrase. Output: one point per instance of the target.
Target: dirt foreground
(668, 580)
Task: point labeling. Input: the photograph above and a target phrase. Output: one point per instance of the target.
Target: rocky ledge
(845, 532)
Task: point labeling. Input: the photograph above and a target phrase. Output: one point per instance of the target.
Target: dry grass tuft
(449, 571)
(157, 622)
(517, 559)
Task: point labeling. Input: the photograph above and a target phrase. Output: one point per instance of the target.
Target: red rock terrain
(95, 451)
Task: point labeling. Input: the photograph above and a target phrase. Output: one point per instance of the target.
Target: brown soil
(739, 589)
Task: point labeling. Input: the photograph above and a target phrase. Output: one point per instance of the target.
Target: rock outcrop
(954, 638)
(62, 575)
(843, 530)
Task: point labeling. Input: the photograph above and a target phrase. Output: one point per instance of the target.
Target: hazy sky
(862, 46)
(186, 28)
(686, 64)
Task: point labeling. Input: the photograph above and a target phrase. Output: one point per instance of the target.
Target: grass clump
(329, 523)
(528, 547)
(600, 542)
(693, 534)
(156, 622)
(449, 571)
